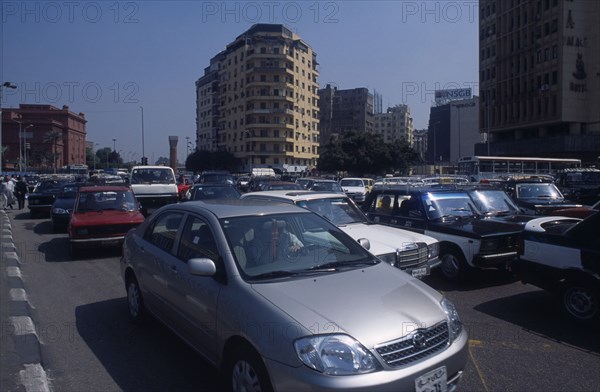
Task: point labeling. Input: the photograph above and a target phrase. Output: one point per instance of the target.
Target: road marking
(17, 295)
(477, 343)
(13, 272)
(34, 378)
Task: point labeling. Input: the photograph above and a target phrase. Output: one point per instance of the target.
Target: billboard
(443, 96)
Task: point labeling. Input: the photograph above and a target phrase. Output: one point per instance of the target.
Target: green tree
(200, 161)
(362, 153)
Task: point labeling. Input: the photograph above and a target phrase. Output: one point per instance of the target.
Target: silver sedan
(278, 298)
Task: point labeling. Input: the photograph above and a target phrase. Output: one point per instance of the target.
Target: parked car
(242, 183)
(60, 214)
(449, 215)
(414, 253)
(562, 255)
(322, 185)
(537, 196)
(216, 177)
(42, 198)
(317, 312)
(356, 188)
(212, 191)
(581, 185)
(495, 204)
(102, 216)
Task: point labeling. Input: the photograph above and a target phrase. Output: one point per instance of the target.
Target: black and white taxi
(562, 255)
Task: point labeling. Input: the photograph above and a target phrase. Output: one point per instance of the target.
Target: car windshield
(351, 183)
(153, 176)
(105, 201)
(217, 179)
(493, 202)
(284, 245)
(215, 192)
(49, 187)
(445, 205)
(536, 191)
(339, 211)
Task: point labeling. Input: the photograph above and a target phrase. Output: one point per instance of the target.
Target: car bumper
(99, 241)
(495, 259)
(286, 378)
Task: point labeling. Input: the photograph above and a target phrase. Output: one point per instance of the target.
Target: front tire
(245, 372)
(579, 301)
(135, 302)
(454, 267)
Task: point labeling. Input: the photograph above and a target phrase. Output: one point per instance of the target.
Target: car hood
(354, 189)
(477, 228)
(515, 218)
(384, 239)
(394, 306)
(153, 189)
(106, 217)
(546, 202)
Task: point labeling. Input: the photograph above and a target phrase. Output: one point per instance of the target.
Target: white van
(154, 186)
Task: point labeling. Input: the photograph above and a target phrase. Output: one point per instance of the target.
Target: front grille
(110, 230)
(413, 257)
(416, 346)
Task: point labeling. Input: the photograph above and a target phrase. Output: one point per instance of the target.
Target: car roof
(295, 195)
(229, 208)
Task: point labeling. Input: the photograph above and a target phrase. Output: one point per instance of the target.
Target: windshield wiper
(274, 274)
(333, 266)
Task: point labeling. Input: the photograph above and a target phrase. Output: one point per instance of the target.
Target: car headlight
(433, 250)
(59, 211)
(454, 323)
(389, 258)
(487, 245)
(336, 355)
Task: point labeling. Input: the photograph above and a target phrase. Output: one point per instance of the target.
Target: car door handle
(174, 270)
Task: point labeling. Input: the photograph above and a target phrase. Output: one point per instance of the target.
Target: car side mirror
(365, 243)
(202, 267)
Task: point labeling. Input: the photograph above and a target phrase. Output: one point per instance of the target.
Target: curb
(20, 325)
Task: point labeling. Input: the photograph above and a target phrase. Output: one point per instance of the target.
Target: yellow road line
(477, 343)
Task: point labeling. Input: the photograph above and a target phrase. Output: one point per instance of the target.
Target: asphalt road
(517, 342)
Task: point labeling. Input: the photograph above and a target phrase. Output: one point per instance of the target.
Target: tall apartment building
(344, 111)
(540, 77)
(258, 99)
(395, 124)
(37, 136)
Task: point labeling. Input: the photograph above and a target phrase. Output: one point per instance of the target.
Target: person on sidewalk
(20, 192)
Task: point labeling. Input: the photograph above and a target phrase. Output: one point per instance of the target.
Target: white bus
(478, 168)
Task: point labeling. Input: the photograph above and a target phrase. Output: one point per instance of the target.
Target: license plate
(420, 272)
(434, 381)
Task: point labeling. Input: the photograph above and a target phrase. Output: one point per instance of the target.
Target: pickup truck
(153, 186)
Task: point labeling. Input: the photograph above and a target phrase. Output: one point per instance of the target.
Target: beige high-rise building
(258, 100)
(395, 124)
(539, 65)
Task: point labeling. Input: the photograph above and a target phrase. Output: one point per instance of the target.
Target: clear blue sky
(107, 58)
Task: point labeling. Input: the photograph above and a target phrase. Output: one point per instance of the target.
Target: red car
(578, 212)
(102, 216)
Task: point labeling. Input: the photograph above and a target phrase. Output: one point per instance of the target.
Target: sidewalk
(20, 350)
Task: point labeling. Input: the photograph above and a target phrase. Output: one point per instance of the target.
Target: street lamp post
(4, 85)
(434, 145)
(25, 145)
(143, 150)
(94, 154)
(20, 144)
(114, 144)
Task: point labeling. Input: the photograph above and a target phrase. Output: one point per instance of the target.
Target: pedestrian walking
(20, 192)
(9, 191)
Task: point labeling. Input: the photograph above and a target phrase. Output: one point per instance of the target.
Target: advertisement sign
(442, 96)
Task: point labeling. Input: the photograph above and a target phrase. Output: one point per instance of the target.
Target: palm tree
(53, 137)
